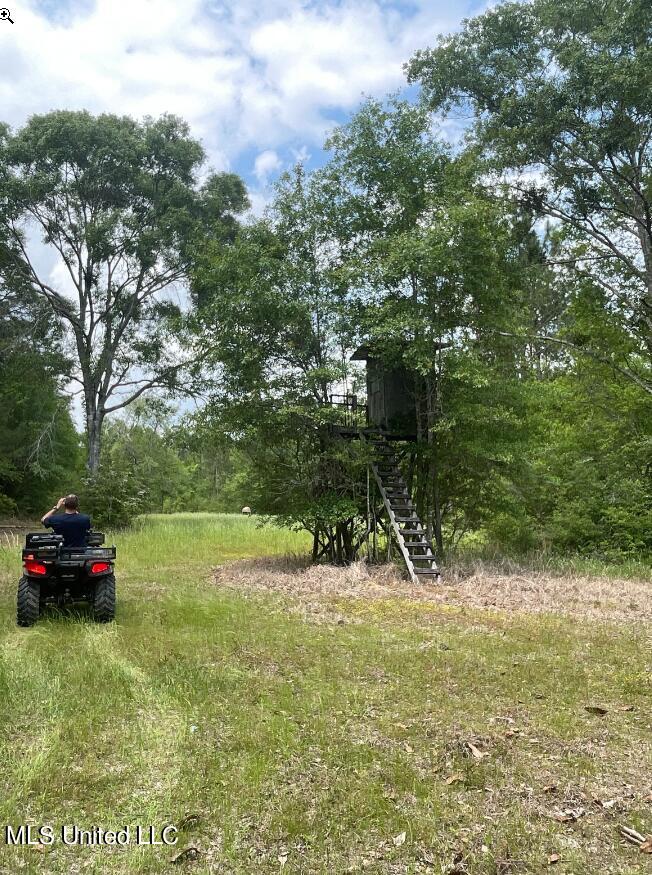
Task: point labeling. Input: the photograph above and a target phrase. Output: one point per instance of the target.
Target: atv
(53, 574)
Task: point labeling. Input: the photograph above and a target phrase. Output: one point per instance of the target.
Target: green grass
(197, 539)
(473, 554)
(311, 745)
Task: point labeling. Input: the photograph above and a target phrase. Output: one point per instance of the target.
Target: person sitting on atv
(73, 525)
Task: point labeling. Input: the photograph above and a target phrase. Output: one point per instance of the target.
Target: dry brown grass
(599, 598)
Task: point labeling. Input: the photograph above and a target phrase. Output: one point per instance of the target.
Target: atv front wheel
(104, 600)
(28, 601)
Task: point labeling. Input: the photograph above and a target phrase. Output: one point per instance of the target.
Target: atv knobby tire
(104, 599)
(28, 602)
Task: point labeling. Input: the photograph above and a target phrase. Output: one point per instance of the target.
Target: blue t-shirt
(73, 527)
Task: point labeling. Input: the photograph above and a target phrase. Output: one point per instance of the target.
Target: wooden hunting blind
(387, 423)
(390, 394)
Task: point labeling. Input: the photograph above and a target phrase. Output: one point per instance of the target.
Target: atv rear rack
(45, 546)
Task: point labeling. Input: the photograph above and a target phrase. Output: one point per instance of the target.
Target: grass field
(380, 735)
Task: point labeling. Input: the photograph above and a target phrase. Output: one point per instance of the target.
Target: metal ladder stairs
(408, 530)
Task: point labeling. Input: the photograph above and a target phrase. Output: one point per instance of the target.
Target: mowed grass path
(379, 736)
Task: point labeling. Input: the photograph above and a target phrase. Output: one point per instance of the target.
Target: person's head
(71, 503)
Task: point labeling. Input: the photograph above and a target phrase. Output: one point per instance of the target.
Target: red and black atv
(59, 576)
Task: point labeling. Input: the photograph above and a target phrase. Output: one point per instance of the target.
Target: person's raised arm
(50, 513)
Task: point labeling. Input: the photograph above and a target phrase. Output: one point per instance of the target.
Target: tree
(39, 448)
(118, 204)
(271, 310)
(562, 95)
(431, 255)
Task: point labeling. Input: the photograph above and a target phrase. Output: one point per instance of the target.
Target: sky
(261, 84)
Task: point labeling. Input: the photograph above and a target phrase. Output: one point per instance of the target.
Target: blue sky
(260, 83)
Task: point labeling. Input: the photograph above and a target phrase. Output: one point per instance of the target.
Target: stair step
(386, 466)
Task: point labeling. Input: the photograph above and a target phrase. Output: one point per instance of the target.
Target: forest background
(511, 273)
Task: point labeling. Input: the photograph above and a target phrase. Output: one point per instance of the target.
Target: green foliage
(39, 448)
(114, 497)
(592, 490)
(412, 248)
(528, 341)
(562, 89)
(289, 466)
(272, 313)
(435, 257)
(118, 202)
(150, 464)
(8, 507)
(139, 470)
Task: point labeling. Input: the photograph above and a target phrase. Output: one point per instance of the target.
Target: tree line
(511, 272)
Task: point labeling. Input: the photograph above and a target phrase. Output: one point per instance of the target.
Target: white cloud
(302, 155)
(259, 199)
(245, 75)
(59, 278)
(265, 165)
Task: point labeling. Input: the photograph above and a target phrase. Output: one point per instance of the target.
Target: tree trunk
(94, 422)
(93, 402)
(347, 541)
(338, 543)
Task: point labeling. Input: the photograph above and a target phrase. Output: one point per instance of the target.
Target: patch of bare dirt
(534, 592)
